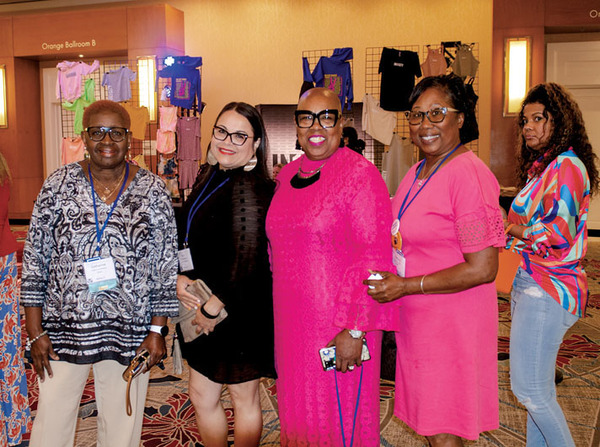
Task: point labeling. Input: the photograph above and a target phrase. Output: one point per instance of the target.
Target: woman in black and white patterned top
(99, 277)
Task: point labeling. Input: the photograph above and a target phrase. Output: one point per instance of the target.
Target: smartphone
(328, 356)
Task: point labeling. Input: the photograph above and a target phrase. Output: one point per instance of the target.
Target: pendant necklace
(108, 190)
(425, 175)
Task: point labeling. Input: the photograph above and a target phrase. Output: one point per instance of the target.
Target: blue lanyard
(100, 231)
(404, 205)
(198, 203)
(337, 390)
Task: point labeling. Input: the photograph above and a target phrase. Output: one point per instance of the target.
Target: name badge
(100, 274)
(185, 260)
(400, 262)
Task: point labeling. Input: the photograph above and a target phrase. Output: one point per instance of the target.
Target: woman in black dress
(223, 225)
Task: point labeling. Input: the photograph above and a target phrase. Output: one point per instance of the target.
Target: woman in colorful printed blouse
(549, 219)
(15, 419)
(99, 281)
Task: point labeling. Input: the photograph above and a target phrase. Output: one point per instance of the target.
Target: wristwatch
(162, 330)
(354, 333)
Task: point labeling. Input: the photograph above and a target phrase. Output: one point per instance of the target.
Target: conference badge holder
(100, 274)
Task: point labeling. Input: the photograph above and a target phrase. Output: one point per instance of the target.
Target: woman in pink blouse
(445, 237)
(558, 174)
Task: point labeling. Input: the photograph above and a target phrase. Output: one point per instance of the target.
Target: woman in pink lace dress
(328, 224)
(446, 233)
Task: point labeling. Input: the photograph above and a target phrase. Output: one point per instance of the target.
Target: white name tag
(185, 260)
(400, 262)
(100, 274)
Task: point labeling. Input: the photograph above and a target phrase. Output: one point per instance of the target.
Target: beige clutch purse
(200, 290)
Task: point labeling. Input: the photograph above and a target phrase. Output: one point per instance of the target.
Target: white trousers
(59, 398)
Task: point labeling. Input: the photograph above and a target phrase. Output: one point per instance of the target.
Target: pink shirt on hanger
(68, 82)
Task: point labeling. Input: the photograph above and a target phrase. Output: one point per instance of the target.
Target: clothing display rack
(353, 116)
(147, 145)
(138, 146)
(373, 85)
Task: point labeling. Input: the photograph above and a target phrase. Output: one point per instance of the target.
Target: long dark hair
(454, 88)
(258, 127)
(568, 131)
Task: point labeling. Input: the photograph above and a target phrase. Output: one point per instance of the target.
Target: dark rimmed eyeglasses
(327, 118)
(237, 138)
(117, 134)
(436, 115)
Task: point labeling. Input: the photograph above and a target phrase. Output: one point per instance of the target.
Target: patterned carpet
(169, 416)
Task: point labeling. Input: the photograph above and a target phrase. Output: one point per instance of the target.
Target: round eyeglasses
(117, 134)
(237, 138)
(327, 118)
(436, 115)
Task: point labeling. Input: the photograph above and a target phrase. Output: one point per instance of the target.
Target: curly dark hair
(568, 131)
(454, 87)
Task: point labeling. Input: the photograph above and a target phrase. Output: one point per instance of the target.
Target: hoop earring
(251, 164)
(211, 159)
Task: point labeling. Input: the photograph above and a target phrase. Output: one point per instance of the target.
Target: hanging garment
(335, 74)
(168, 118)
(167, 166)
(435, 64)
(377, 122)
(80, 104)
(185, 81)
(68, 81)
(188, 136)
(118, 84)
(465, 63)
(398, 71)
(72, 149)
(188, 170)
(140, 117)
(470, 91)
(397, 162)
(165, 141)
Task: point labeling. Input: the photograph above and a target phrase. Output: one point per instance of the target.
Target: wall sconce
(146, 72)
(517, 69)
(3, 117)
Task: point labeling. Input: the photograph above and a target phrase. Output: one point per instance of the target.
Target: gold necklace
(308, 174)
(108, 190)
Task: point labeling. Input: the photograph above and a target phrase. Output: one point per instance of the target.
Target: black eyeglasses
(117, 134)
(327, 118)
(236, 138)
(436, 115)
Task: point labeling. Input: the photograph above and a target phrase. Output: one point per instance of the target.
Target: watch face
(355, 333)
(164, 331)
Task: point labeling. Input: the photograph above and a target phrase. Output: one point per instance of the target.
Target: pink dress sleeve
(475, 194)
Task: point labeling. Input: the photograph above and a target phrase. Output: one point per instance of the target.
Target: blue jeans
(539, 324)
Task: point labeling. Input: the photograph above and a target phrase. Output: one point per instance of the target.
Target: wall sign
(68, 45)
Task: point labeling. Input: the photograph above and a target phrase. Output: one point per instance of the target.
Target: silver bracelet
(36, 338)
(422, 279)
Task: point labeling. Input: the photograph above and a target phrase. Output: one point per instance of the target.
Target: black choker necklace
(302, 179)
(302, 182)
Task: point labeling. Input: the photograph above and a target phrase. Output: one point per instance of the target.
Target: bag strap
(127, 396)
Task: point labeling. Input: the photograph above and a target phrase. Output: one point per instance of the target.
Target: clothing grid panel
(373, 85)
